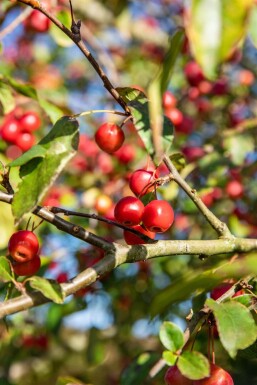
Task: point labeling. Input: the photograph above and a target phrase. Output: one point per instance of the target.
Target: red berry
(129, 211)
(27, 268)
(30, 121)
(218, 376)
(193, 73)
(221, 289)
(62, 277)
(25, 141)
(37, 22)
(109, 137)
(158, 216)
(174, 377)
(169, 101)
(133, 239)
(140, 182)
(235, 189)
(126, 153)
(186, 126)
(10, 130)
(23, 246)
(175, 116)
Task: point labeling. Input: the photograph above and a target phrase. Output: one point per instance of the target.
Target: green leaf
(6, 98)
(171, 336)
(69, 381)
(238, 147)
(169, 357)
(215, 28)
(252, 26)
(51, 110)
(5, 270)
(244, 299)
(138, 370)
(39, 173)
(193, 365)
(236, 326)
(179, 161)
(23, 89)
(138, 104)
(51, 290)
(175, 45)
(36, 151)
(59, 37)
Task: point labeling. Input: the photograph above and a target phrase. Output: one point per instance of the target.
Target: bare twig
(220, 227)
(15, 23)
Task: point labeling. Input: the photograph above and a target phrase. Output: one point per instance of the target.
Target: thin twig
(220, 227)
(15, 23)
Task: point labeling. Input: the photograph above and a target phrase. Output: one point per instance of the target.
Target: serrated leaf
(5, 270)
(214, 28)
(51, 290)
(38, 174)
(236, 326)
(169, 357)
(138, 103)
(69, 381)
(138, 370)
(193, 365)
(6, 98)
(171, 336)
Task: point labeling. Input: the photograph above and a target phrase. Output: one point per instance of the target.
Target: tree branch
(220, 227)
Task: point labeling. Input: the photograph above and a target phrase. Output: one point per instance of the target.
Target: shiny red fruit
(25, 141)
(169, 101)
(10, 130)
(193, 73)
(140, 182)
(37, 22)
(109, 137)
(218, 376)
(23, 246)
(174, 377)
(235, 189)
(158, 216)
(27, 268)
(133, 239)
(29, 121)
(129, 211)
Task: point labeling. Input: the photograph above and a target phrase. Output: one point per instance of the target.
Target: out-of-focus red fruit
(205, 87)
(221, 289)
(182, 222)
(88, 146)
(109, 137)
(30, 267)
(103, 204)
(30, 121)
(186, 126)
(175, 116)
(78, 163)
(203, 105)
(25, 141)
(218, 376)
(220, 87)
(62, 277)
(169, 101)
(193, 93)
(10, 130)
(193, 153)
(126, 153)
(235, 189)
(174, 377)
(13, 152)
(104, 163)
(193, 73)
(140, 182)
(207, 198)
(37, 22)
(133, 239)
(246, 77)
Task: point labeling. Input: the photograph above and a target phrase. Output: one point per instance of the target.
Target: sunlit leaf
(51, 290)
(193, 365)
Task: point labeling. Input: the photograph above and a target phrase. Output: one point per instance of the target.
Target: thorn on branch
(75, 26)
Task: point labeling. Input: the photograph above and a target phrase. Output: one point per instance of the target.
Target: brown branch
(80, 44)
(220, 227)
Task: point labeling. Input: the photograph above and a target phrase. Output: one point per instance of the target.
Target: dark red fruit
(109, 137)
(169, 101)
(25, 141)
(221, 289)
(218, 376)
(30, 121)
(27, 268)
(235, 189)
(133, 239)
(129, 211)
(158, 216)
(193, 73)
(141, 181)
(23, 246)
(174, 377)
